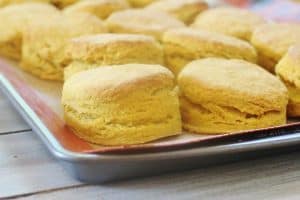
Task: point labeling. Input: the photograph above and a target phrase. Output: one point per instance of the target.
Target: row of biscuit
(138, 103)
(117, 87)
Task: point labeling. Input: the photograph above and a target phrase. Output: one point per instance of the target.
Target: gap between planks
(15, 132)
(46, 191)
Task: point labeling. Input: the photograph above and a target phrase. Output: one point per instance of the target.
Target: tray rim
(64, 154)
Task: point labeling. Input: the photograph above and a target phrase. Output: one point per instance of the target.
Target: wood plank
(27, 167)
(10, 120)
(269, 178)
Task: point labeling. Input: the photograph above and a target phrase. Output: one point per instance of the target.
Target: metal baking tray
(108, 163)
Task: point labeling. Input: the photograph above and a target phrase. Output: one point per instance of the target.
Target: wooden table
(28, 171)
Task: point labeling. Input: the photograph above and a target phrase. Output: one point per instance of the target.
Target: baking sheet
(43, 97)
(38, 102)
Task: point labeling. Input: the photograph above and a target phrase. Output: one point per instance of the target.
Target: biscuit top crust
(235, 21)
(19, 13)
(96, 48)
(231, 13)
(191, 35)
(99, 2)
(234, 83)
(6, 3)
(15, 18)
(110, 38)
(144, 19)
(275, 38)
(101, 8)
(170, 5)
(64, 26)
(29, 6)
(195, 39)
(84, 23)
(114, 82)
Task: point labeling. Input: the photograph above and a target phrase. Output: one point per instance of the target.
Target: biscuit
(185, 45)
(140, 3)
(272, 42)
(288, 69)
(230, 21)
(122, 105)
(184, 10)
(222, 96)
(100, 8)
(14, 19)
(44, 43)
(112, 49)
(147, 22)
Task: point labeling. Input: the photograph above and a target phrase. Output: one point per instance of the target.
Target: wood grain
(26, 167)
(10, 120)
(276, 177)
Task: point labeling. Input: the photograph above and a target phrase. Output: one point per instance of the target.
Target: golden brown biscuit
(147, 22)
(185, 45)
(122, 105)
(14, 19)
(100, 8)
(231, 21)
(140, 3)
(272, 42)
(184, 10)
(112, 49)
(223, 96)
(44, 43)
(288, 69)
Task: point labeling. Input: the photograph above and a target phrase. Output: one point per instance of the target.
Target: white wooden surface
(28, 171)
(10, 120)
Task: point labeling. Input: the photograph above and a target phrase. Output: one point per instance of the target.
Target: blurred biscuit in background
(44, 43)
(112, 49)
(273, 40)
(185, 45)
(9, 2)
(288, 69)
(14, 19)
(231, 21)
(100, 8)
(184, 10)
(57, 3)
(147, 22)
